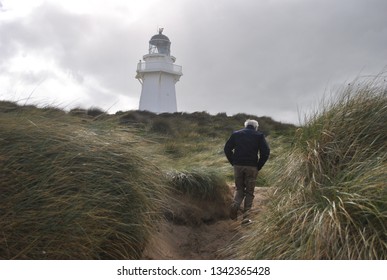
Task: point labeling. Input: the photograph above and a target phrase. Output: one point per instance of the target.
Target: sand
(195, 230)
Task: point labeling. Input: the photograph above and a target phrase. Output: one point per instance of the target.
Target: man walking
(242, 150)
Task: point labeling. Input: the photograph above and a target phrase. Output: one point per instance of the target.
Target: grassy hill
(329, 194)
(87, 185)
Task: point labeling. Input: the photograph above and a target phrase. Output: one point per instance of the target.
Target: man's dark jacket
(243, 146)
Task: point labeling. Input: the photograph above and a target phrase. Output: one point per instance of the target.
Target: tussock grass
(204, 184)
(131, 117)
(8, 106)
(199, 196)
(95, 111)
(78, 112)
(162, 126)
(67, 192)
(330, 198)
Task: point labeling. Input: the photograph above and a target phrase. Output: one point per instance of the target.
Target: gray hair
(253, 123)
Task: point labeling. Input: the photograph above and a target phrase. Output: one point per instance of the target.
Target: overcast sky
(273, 58)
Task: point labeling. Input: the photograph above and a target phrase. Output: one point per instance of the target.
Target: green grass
(68, 192)
(201, 184)
(88, 185)
(330, 195)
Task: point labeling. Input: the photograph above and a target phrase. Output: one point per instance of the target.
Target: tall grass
(202, 195)
(68, 193)
(85, 185)
(330, 198)
(204, 184)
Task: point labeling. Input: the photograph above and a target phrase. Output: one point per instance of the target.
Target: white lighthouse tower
(158, 75)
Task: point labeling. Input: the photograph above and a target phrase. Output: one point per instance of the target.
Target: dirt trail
(197, 231)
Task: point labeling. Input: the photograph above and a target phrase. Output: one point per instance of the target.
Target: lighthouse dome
(160, 43)
(159, 37)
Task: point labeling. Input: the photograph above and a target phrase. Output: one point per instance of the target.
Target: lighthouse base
(158, 93)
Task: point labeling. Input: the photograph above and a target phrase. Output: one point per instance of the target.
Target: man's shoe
(233, 213)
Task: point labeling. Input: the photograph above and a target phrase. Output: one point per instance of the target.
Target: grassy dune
(329, 199)
(68, 191)
(87, 185)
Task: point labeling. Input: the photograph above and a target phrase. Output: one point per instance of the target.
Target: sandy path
(198, 232)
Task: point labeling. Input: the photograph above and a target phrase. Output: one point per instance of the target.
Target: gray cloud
(275, 56)
(82, 46)
(260, 57)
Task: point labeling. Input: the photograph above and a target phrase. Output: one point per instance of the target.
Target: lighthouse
(158, 75)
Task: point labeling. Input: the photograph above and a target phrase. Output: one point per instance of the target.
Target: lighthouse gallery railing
(159, 66)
